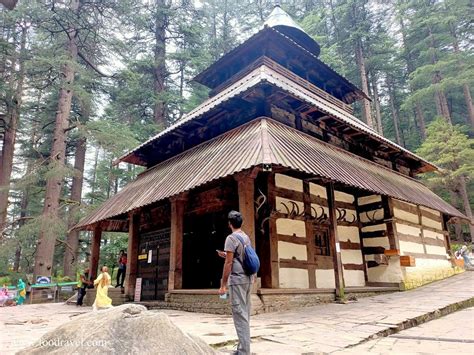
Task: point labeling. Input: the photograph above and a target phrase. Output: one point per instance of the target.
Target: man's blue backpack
(251, 262)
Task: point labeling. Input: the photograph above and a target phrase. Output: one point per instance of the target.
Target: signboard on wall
(43, 280)
(138, 290)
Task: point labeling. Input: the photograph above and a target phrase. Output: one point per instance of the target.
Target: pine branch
(90, 64)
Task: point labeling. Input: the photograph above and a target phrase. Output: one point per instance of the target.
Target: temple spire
(281, 21)
(279, 17)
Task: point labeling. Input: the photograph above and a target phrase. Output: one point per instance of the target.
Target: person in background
(240, 284)
(82, 285)
(3, 295)
(102, 282)
(21, 287)
(464, 252)
(122, 268)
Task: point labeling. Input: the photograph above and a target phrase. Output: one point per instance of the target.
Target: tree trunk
(457, 226)
(9, 138)
(214, 44)
(395, 117)
(72, 239)
(378, 115)
(421, 120)
(466, 204)
(21, 223)
(9, 4)
(182, 67)
(366, 112)
(16, 261)
(226, 45)
(25, 197)
(94, 175)
(465, 88)
(47, 238)
(109, 176)
(470, 108)
(442, 107)
(159, 71)
(420, 117)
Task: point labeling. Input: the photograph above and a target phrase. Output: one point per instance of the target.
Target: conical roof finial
(281, 21)
(279, 17)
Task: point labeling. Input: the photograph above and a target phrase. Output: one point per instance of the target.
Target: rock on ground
(126, 329)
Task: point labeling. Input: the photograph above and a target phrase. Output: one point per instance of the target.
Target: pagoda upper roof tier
(285, 42)
(267, 84)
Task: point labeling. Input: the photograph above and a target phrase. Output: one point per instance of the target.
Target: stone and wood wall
(423, 243)
(303, 245)
(379, 243)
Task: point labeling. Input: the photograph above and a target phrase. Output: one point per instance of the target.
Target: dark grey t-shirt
(233, 244)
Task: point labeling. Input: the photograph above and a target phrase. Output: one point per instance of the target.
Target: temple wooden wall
(304, 258)
(349, 238)
(377, 237)
(155, 217)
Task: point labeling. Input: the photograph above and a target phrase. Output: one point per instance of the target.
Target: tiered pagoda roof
(235, 129)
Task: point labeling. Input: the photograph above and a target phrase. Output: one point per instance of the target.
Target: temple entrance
(203, 234)
(153, 264)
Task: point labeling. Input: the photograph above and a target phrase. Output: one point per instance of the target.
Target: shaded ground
(325, 328)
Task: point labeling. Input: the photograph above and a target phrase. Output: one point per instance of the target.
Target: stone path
(332, 327)
(453, 334)
(324, 328)
(21, 326)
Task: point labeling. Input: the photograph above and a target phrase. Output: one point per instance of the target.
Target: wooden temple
(331, 206)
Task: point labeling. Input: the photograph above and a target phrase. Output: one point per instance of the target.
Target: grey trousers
(240, 301)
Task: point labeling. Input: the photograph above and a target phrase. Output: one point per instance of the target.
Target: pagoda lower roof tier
(263, 143)
(267, 73)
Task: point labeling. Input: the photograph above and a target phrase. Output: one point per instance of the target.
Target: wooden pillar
(422, 233)
(95, 251)
(391, 226)
(132, 253)
(447, 240)
(334, 241)
(272, 234)
(175, 276)
(246, 190)
(309, 235)
(360, 225)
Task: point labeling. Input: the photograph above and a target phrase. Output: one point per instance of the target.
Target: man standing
(239, 282)
(122, 268)
(82, 284)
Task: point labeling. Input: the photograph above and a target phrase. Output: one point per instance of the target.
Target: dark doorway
(203, 234)
(153, 264)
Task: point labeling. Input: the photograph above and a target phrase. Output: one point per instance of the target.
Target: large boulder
(126, 329)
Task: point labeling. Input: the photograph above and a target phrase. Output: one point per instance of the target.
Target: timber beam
(95, 251)
(334, 243)
(132, 253)
(178, 206)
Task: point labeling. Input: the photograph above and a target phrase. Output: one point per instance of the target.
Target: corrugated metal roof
(263, 141)
(266, 74)
(302, 152)
(229, 153)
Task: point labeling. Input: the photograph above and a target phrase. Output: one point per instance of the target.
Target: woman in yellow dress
(102, 282)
